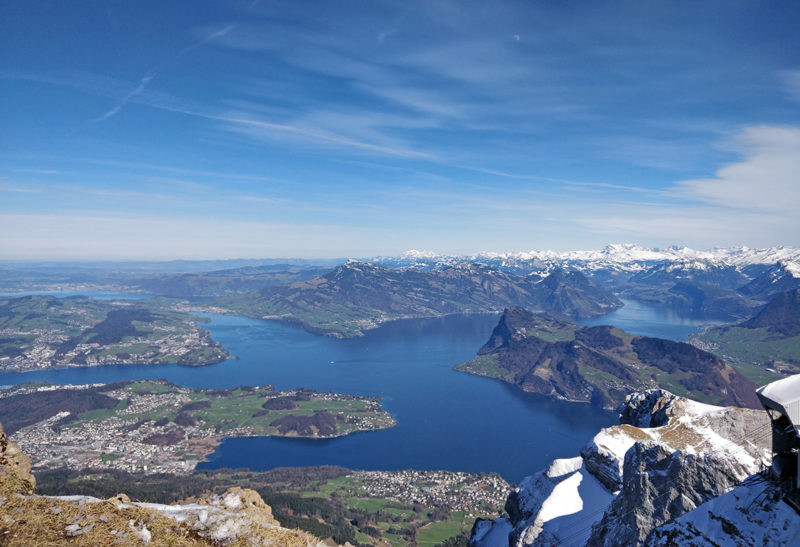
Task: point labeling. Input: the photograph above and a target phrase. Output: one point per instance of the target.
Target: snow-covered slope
(783, 276)
(751, 514)
(668, 456)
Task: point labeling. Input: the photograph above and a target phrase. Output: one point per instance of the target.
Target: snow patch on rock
(668, 456)
(751, 514)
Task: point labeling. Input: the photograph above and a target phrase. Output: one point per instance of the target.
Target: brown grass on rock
(237, 518)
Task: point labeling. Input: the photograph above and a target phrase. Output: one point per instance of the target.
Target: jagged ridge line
(758, 436)
(580, 531)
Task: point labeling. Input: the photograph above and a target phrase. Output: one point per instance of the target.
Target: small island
(156, 426)
(41, 332)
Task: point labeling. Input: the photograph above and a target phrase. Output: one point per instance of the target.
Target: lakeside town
(453, 490)
(42, 332)
(158, 427)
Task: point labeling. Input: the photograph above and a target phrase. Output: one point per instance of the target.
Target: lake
(649, 320)
(446, 419)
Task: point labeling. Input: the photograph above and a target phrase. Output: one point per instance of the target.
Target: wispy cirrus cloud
(242, 122)
(206, 37)
(791, 83)
(39, 171)
(135, 92)
(18, 189)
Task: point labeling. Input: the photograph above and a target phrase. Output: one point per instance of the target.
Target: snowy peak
(672, 456)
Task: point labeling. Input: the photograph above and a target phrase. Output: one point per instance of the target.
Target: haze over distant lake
(446, 419)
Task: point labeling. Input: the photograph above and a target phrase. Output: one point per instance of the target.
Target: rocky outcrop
(668, 456)
(15, 467)
(237, 517)
(660, 484)
(651, 408)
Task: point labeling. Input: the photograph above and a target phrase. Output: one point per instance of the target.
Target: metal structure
(781, 400)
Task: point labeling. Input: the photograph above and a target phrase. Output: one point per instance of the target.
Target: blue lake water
(648, 320)
(446, 419)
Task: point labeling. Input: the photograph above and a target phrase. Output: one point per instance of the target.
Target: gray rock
(651, 408)
(660, 485)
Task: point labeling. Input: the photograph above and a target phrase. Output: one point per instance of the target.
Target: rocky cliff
(668, 456)
(238, 517)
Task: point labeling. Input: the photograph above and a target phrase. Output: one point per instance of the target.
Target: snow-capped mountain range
(615, 257)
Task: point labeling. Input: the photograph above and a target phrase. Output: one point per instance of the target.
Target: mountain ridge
(357, 296)
(546, 354)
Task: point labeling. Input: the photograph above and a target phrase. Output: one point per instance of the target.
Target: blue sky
(137, 129)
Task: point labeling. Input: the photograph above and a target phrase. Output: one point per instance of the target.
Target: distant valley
(769, 340)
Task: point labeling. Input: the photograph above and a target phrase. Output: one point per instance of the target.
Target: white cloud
(765, 180)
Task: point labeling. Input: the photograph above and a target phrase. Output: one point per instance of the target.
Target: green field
(753, 351)
(483, 365)
(229, 409)
(330, 502)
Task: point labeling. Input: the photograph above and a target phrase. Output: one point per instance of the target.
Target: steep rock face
(547, 354)
(651, 408)
(670, 455)
(660, 484)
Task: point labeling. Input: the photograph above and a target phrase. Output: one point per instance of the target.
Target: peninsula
(156, 426)
(546, 354)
